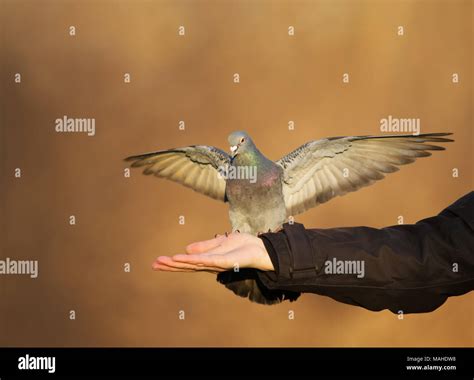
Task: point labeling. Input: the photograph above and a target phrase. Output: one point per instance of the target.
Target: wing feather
(196, 167)
(314, 172)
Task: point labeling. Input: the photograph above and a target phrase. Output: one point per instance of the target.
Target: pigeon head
(240, 142)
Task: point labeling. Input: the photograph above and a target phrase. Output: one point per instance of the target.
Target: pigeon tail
(246, 283)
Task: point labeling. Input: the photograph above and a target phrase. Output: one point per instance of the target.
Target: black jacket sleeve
(403, 268)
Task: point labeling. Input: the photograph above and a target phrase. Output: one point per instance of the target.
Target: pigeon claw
(225, 233)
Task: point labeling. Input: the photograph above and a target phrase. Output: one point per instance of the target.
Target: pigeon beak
(233, 149)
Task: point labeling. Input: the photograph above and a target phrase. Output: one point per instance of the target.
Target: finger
(214, 261)
(165, 268)
(205, 245)
(168, 261)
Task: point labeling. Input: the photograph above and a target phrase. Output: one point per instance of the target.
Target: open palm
(237, 250)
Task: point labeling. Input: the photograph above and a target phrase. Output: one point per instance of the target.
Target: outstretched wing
(196, 167)
(322, 169)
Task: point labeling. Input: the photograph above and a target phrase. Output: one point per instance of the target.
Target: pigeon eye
(242, 140)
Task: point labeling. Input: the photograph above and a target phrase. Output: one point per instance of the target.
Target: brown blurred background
(190, 78)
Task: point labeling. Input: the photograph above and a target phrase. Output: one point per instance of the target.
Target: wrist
(266, 262)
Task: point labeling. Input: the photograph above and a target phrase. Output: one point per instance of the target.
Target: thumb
(205, 245)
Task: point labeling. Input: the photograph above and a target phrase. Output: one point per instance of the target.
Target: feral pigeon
(263, 194)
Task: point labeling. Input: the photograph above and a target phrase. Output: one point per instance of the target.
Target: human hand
(218, 255)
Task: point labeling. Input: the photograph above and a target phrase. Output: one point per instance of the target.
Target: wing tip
(156, 153)
(435, 136)
(130, 158)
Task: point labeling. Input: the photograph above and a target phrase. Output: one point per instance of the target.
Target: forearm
(412, 268)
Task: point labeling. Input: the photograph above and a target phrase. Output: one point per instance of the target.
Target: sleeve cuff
(291, 252)
(272, 253)
(279, 251)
